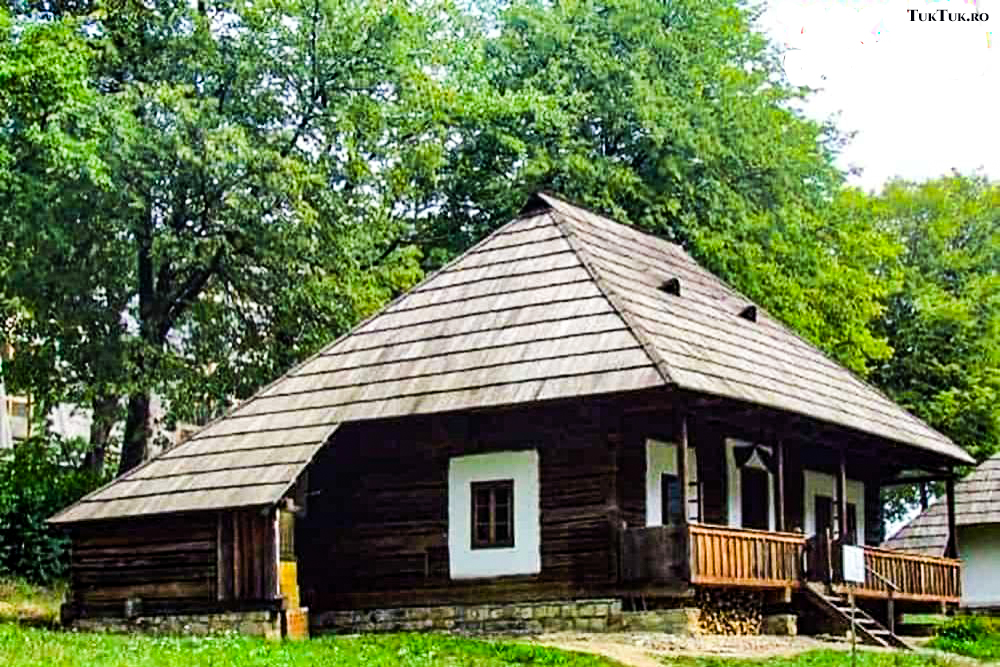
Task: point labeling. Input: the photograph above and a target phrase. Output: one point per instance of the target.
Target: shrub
(975, 636)
(41, 478)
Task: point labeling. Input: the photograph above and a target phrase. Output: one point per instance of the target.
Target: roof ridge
(614, 299)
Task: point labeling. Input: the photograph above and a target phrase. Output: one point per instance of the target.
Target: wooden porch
(706, 555)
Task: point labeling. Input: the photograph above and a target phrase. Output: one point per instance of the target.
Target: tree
(675, 117)
(248, 171)
(944, 320)
(64, 322)
(943, 312)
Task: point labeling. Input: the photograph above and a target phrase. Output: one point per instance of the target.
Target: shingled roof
(977, 501)
(558, 303)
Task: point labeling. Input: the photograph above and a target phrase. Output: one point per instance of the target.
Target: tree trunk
(105, 409)
(138, 431)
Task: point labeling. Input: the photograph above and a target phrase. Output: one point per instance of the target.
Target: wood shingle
(560, 303)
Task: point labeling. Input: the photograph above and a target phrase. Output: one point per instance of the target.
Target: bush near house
(973, 636)
(41, 478)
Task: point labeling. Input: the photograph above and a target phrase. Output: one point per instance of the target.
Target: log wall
(379, 519)
(200, 562)
(164, 561)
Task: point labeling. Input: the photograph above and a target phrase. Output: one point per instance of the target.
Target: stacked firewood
(730, 611)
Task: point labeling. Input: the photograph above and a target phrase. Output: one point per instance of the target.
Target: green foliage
(225, 190)
(675, 117)
(944, 319)
(41, 478)
(974, 636)
(943, 312)
(20, 647)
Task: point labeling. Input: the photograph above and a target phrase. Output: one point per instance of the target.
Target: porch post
(842, 497)
(682, 466)
(951, 550)
(780, 452)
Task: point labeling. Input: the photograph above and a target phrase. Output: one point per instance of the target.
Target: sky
(922, 96)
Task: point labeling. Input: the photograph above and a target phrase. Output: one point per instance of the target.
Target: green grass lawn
(825, 658)
(21, 647)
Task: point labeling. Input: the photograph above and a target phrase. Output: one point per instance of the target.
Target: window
(492, 514)
(672, 513)
(755, 497)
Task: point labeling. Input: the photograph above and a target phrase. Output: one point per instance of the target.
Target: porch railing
(703, 554)
(914, 576)
(742, 557)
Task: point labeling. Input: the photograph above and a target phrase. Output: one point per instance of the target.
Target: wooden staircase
(838, 609)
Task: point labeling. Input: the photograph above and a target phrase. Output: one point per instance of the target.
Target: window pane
(483, 514)
(671, 490)
(492, 514)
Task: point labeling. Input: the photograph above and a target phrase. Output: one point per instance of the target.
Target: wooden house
(977, 517)
(572, 410)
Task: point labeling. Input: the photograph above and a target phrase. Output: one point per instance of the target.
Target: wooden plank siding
(380, 519)
(195, 562)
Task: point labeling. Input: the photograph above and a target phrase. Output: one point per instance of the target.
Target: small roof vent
(749, 313)
(672, 286)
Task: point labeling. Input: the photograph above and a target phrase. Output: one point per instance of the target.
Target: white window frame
(525, 557)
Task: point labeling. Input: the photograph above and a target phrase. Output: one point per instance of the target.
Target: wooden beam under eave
(842, 497)
(951, 550)
(779, 452)
(683, 464)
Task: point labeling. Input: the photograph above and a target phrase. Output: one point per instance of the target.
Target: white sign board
(854, 564)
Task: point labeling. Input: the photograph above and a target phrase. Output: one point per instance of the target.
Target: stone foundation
(604, 615)
(265, 624)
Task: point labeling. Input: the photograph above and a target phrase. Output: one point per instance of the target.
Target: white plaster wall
(735, 485)
(821, 484)
(525, 556)
(979, 549)
(661, 458)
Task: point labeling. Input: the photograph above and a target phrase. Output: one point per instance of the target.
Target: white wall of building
(979, 549)
(661, 459)
(821, 484)
(525, 557)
